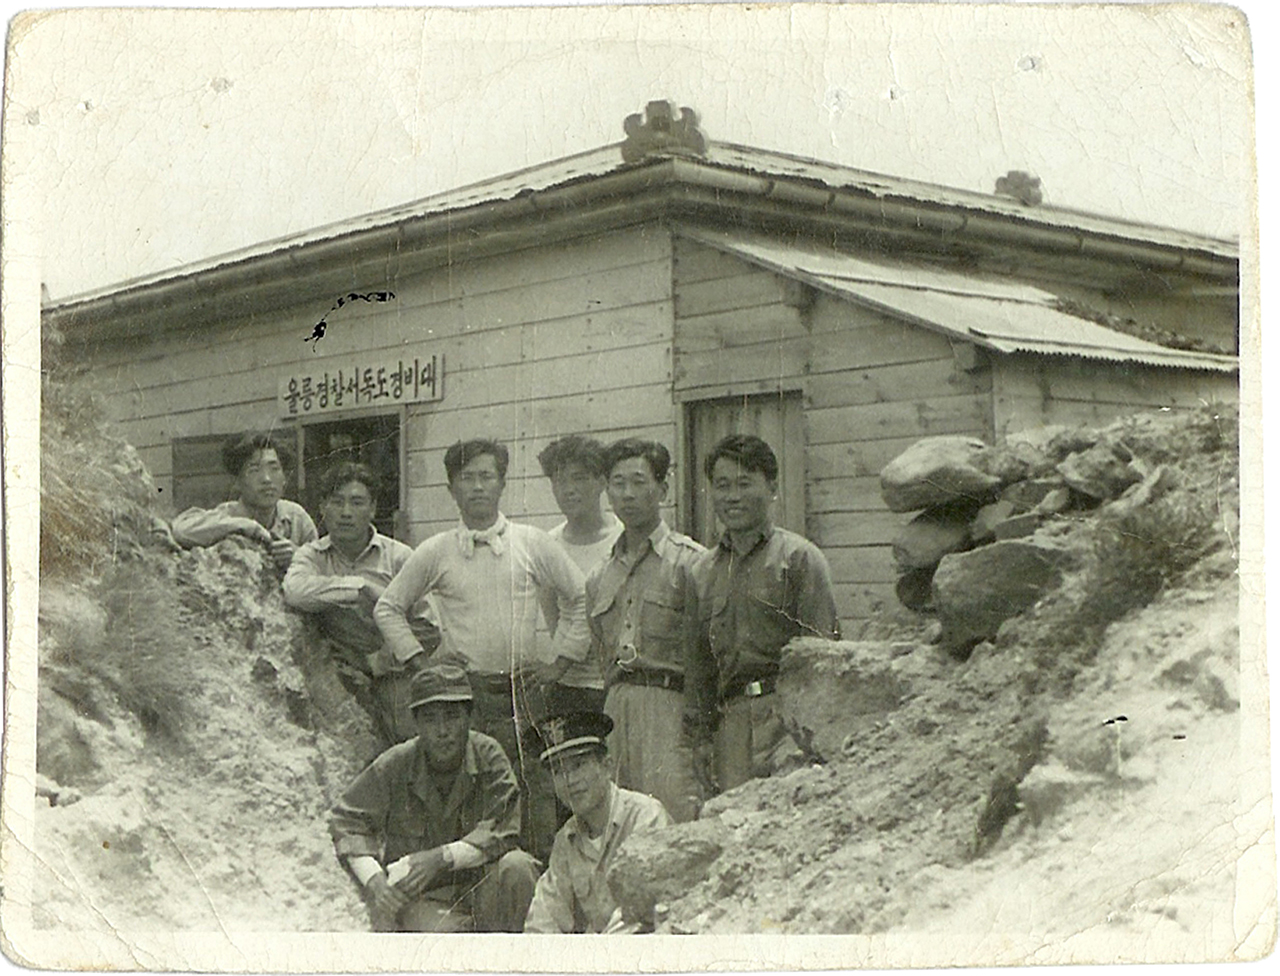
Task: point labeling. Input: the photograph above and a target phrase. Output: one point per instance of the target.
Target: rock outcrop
(975, 592)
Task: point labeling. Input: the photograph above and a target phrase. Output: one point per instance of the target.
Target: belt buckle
(754, 689)
(628, 656)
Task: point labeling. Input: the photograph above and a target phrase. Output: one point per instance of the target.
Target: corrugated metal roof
(597, 162)
(758, 162)
(1001, 315)
(764, 161)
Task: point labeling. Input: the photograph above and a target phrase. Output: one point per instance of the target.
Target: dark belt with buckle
(751, 689)
(495, 682)
(653, 679)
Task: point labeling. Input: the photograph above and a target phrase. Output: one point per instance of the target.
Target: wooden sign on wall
(378, 384)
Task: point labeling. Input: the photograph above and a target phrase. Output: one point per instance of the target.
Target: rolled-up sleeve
(816, 602)
(307, 587)
(391, 614)
(198, 527)
(358, 819)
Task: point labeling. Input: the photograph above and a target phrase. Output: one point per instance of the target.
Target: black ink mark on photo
(317, 331)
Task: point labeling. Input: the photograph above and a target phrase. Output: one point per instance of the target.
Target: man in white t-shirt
(575, 467)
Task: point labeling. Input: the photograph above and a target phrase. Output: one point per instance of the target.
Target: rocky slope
(188, 747)
(1073, 772)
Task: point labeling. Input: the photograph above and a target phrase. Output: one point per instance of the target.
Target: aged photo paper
(929, 634)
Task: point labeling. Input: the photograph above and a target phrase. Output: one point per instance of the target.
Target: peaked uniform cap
(572, 732)
(443, 682)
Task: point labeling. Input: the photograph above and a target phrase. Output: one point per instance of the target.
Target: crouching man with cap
(573, 895)
(429, 828)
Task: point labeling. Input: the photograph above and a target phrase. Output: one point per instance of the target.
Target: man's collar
(656, 539)
(376, 540)
(752, 540)
(491, 537)
(424, 779)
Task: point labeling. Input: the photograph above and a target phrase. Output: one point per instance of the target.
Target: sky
(161, 137)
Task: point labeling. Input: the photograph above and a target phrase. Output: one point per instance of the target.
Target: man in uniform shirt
(756, 590)
(337, 580)
(488, 578)
(258, 462)
(573, 895)
(575, 466)
(428, 830)
(639, 630)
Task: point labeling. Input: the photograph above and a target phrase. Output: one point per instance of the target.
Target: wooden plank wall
(876, 386)
(735, 334)
(872, 386)
(1031, 391)
(543, 342)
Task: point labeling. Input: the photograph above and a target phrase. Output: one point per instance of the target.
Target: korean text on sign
(421, 379)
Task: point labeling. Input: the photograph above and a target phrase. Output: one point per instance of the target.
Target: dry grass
(144, 655)
(95, 495)
(1138, 553)
(95, 520)
(1130, 554)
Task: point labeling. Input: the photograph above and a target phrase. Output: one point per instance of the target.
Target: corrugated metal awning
(1006, 316)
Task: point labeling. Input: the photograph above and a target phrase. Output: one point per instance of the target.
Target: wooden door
(777, 418)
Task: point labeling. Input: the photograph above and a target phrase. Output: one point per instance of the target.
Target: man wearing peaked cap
(562, 735)
(490, 580)
(573, 895)
(429, 829)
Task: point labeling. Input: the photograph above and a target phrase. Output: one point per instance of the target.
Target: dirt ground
(220, 824)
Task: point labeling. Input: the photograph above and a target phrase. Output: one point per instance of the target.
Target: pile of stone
(986, 544)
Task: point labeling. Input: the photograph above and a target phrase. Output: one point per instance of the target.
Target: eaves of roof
(594, 188)
(1008, 317)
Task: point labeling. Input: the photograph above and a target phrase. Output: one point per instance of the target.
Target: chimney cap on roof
(661, 133)
(1021, 186)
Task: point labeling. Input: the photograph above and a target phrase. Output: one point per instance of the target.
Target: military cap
(439, 682)
(570, 733)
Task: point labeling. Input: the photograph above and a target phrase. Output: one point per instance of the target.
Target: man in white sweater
(488, 578)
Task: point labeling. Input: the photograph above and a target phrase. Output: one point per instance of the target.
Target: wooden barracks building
(672, 288)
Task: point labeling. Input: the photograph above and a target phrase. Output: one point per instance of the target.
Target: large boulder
(662, 866)
(1026, 495)
(975, 592)
(1100, 472)
(829, 690)
(936, 471)
(932, 534)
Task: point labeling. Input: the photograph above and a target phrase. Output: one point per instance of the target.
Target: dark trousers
(494, 712)
(560, 699)
(494, 898)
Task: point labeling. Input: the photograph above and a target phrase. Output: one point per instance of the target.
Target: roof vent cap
(660, 133)
(1021, 186)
